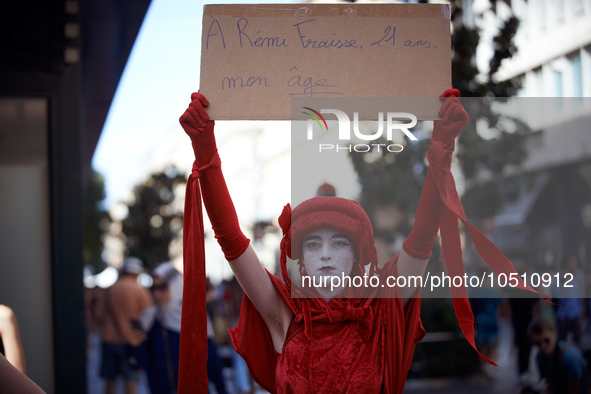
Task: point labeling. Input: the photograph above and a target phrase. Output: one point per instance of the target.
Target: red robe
(349, 345)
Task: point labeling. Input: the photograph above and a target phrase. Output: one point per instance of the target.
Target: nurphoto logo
(399, 121)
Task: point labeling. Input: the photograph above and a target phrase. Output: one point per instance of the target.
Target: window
(558, 88)
(577, 70)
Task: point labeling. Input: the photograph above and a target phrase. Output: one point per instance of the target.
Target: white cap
(133, 265)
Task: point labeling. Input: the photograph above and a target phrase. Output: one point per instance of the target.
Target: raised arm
(244, 262)
(417, 247)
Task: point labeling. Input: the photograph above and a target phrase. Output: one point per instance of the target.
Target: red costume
(360, 343)
(366, 348)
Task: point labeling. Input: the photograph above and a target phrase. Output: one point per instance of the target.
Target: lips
(326, 268)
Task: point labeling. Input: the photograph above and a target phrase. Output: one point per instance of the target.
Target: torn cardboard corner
(256, 58)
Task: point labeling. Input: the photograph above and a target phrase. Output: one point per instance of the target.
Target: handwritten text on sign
(256, 58)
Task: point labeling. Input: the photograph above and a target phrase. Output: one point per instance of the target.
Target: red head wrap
(338, 214)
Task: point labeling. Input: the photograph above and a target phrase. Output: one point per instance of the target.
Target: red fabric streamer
(193, 342)
(206, 182)
(439, 174)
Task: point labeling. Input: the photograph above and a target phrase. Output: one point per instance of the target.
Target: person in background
(562, 365)
(215, 366)
(485, 302)
(571, 299)
(123, 304)
(10, 339)
(233, 299)
(523, 311)
(162, 323)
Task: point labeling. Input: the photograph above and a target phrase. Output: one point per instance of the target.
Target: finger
(188, 123)
(209, 125)
(196, 96)
(201, 98)
(446, 106)
(453, 115)
(197, 113)
(190, 120)
(443, 109)
(201, 112)
(451, 93)
(461, 115)
(191, 117)
(457, 112)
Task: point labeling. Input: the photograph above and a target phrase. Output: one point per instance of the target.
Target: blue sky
(161, 73)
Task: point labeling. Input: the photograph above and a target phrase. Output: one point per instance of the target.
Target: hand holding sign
(195, 121)
(453, 117)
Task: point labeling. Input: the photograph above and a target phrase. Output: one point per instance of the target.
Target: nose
(325, 253)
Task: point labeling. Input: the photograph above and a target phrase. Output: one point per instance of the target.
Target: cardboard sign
(256, 58)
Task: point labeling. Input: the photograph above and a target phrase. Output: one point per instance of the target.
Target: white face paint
(327, 253)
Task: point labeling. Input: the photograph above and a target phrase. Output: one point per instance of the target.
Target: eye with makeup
(341, 243)
(311, 244)
(336, 242)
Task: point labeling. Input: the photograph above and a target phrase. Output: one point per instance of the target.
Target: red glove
(199, 128)
(453, 117)
(220, 209)
(424, 231)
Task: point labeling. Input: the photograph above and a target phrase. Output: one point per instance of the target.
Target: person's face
(328, 253)
(161, 291)
(546, 341)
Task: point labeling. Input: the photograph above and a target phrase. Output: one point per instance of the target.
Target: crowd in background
(139, 330)
(134, 332)
(552, 340)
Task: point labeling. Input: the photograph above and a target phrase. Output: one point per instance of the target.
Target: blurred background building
(61, 63)
(552, 60)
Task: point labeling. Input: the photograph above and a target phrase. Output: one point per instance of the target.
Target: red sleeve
(253, 343)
